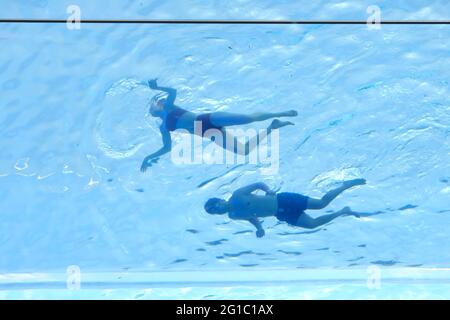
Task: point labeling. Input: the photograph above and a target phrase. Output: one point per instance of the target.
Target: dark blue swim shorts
(290, 206)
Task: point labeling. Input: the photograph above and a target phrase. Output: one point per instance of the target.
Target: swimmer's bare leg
(245, 149)
(262, 116)
(225, 119)
(308, 222)
(331, 195)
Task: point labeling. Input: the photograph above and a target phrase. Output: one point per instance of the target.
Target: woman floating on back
(174, 118)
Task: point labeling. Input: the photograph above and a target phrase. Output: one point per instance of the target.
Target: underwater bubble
(123, 125)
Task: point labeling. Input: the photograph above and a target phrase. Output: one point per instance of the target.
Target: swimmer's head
(216, 206)
(156, 105)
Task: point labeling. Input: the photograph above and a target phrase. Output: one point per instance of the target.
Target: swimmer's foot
(290, 113)
(276, 124)
(347, 211)
(354, 182)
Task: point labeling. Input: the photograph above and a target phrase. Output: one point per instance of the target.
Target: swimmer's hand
(258, 225)
(148, 161)
(152, 83)
(271, 192)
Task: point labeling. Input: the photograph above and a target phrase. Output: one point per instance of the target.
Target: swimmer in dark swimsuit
(175, 118)
(285, 206)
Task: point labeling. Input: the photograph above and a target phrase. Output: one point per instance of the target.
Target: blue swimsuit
(172, 118)
(291, 206)
(177, 113)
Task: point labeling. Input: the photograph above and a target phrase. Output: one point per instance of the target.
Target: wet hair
(211, 206)
(156, 99)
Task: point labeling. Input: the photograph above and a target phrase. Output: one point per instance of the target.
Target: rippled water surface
(74, 130)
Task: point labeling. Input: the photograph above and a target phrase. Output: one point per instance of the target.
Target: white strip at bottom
(99, 280)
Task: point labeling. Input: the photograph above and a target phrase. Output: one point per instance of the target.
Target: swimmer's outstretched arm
(259, 229)
(153, 158)
(171, 91)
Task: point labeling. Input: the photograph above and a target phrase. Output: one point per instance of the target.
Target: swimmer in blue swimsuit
(285, 206)
(174, 118)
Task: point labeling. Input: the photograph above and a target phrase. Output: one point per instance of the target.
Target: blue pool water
(74, 130)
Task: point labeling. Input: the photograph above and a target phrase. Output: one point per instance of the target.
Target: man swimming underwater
(285, 206)
(174, 118)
